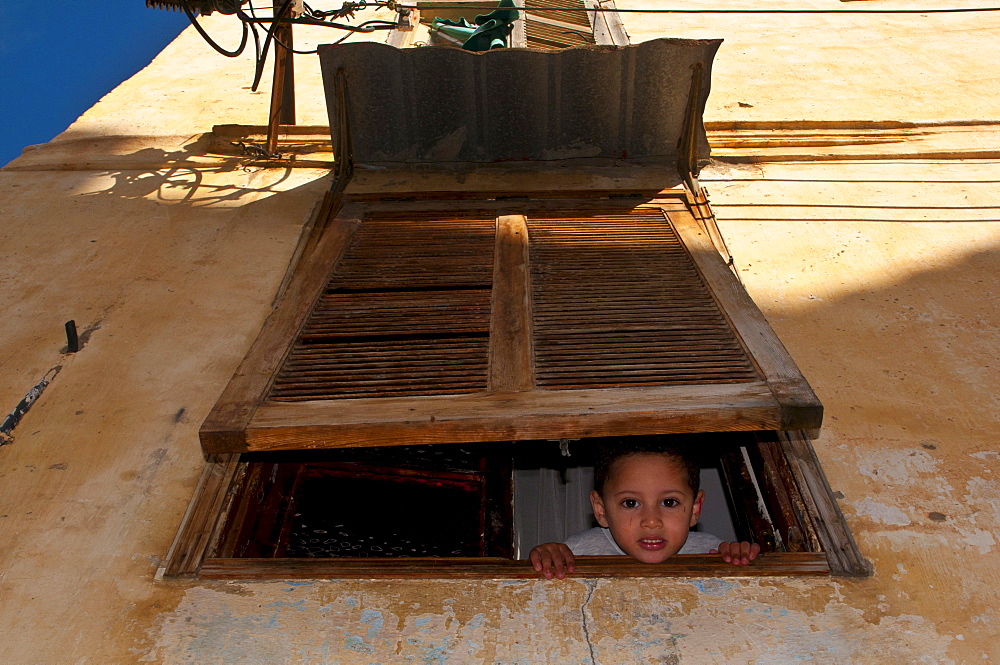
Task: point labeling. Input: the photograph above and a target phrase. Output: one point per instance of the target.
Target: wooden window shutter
(438, 322)
(556, 24)
(558, 28)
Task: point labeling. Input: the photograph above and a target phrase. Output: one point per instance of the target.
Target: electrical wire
(351, 31)
(251, 22)
(212, 42)
(259, 65)
(329, 18)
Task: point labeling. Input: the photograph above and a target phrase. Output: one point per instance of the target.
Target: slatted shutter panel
(406, 312)
(508, 321)
(618, 302)
(557, 29)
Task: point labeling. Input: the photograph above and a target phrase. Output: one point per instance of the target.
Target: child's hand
(738, 554)
(552, 558)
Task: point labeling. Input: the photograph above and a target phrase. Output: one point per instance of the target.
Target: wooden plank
(223, 429)
(525, 207)
(201, 523)
(680, 565)
(518, 36)
(510, 356)
(252, 526)
(506, 179)
(607, 26)
(781, 493)
(801, 409)
(831, 528)
(751, 519)
(540, 414)
(503, 194)
(574, 27)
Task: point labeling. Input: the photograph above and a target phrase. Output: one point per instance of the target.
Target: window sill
(682, 565)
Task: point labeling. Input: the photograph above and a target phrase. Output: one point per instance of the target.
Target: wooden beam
(680, 565)
(607, 26)
(406, 27)
(282, 108)
(537, 414)
(510, 356)
(518, 35)
(643, 194)
(512, 178)
(519, 206)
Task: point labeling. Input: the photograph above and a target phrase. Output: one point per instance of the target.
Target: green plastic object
(489, 31)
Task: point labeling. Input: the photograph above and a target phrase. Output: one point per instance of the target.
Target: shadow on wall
(907, 373)
(178, 182)
(912, 356)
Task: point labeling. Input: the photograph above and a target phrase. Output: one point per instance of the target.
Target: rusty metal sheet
(439, 104)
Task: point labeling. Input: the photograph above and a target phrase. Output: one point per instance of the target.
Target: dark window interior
(457, 500)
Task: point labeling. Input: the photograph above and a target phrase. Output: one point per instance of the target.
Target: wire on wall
(253, 23)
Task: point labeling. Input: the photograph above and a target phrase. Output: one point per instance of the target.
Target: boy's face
(648, 505)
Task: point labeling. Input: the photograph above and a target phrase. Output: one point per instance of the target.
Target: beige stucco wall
(879, 275)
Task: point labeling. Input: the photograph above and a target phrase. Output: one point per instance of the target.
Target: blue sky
(58, 58)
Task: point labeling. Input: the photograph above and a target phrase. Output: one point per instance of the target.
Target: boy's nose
(651, 520)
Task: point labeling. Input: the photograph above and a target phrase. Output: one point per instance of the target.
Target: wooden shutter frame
(244, 421)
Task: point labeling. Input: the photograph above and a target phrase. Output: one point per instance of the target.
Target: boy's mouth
(652, 544)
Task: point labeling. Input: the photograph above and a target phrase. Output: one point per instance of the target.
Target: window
(280, 516)
(430, 323)
(524, 264)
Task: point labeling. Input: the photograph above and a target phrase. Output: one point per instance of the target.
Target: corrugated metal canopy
(440, 104)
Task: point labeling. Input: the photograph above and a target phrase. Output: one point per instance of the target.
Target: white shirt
(598, 542)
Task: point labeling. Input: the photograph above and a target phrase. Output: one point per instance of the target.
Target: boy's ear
(598, 505)
(696, 513)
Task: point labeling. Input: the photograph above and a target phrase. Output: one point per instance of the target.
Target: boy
(646, 496)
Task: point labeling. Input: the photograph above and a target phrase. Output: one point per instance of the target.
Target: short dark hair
(676, 448)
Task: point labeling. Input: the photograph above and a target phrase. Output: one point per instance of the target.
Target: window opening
(449, 511)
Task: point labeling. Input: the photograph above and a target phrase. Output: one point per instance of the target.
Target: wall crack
(591, 587)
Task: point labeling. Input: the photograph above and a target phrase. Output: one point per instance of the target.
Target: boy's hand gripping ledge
(552, 560)
(738, 554)
(556, 559)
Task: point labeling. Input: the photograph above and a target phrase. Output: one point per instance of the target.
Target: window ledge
(681, 565)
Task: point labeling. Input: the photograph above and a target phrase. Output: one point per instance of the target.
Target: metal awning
(442, 104)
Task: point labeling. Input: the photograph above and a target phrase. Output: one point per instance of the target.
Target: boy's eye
(630, 503)
(669, 503)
